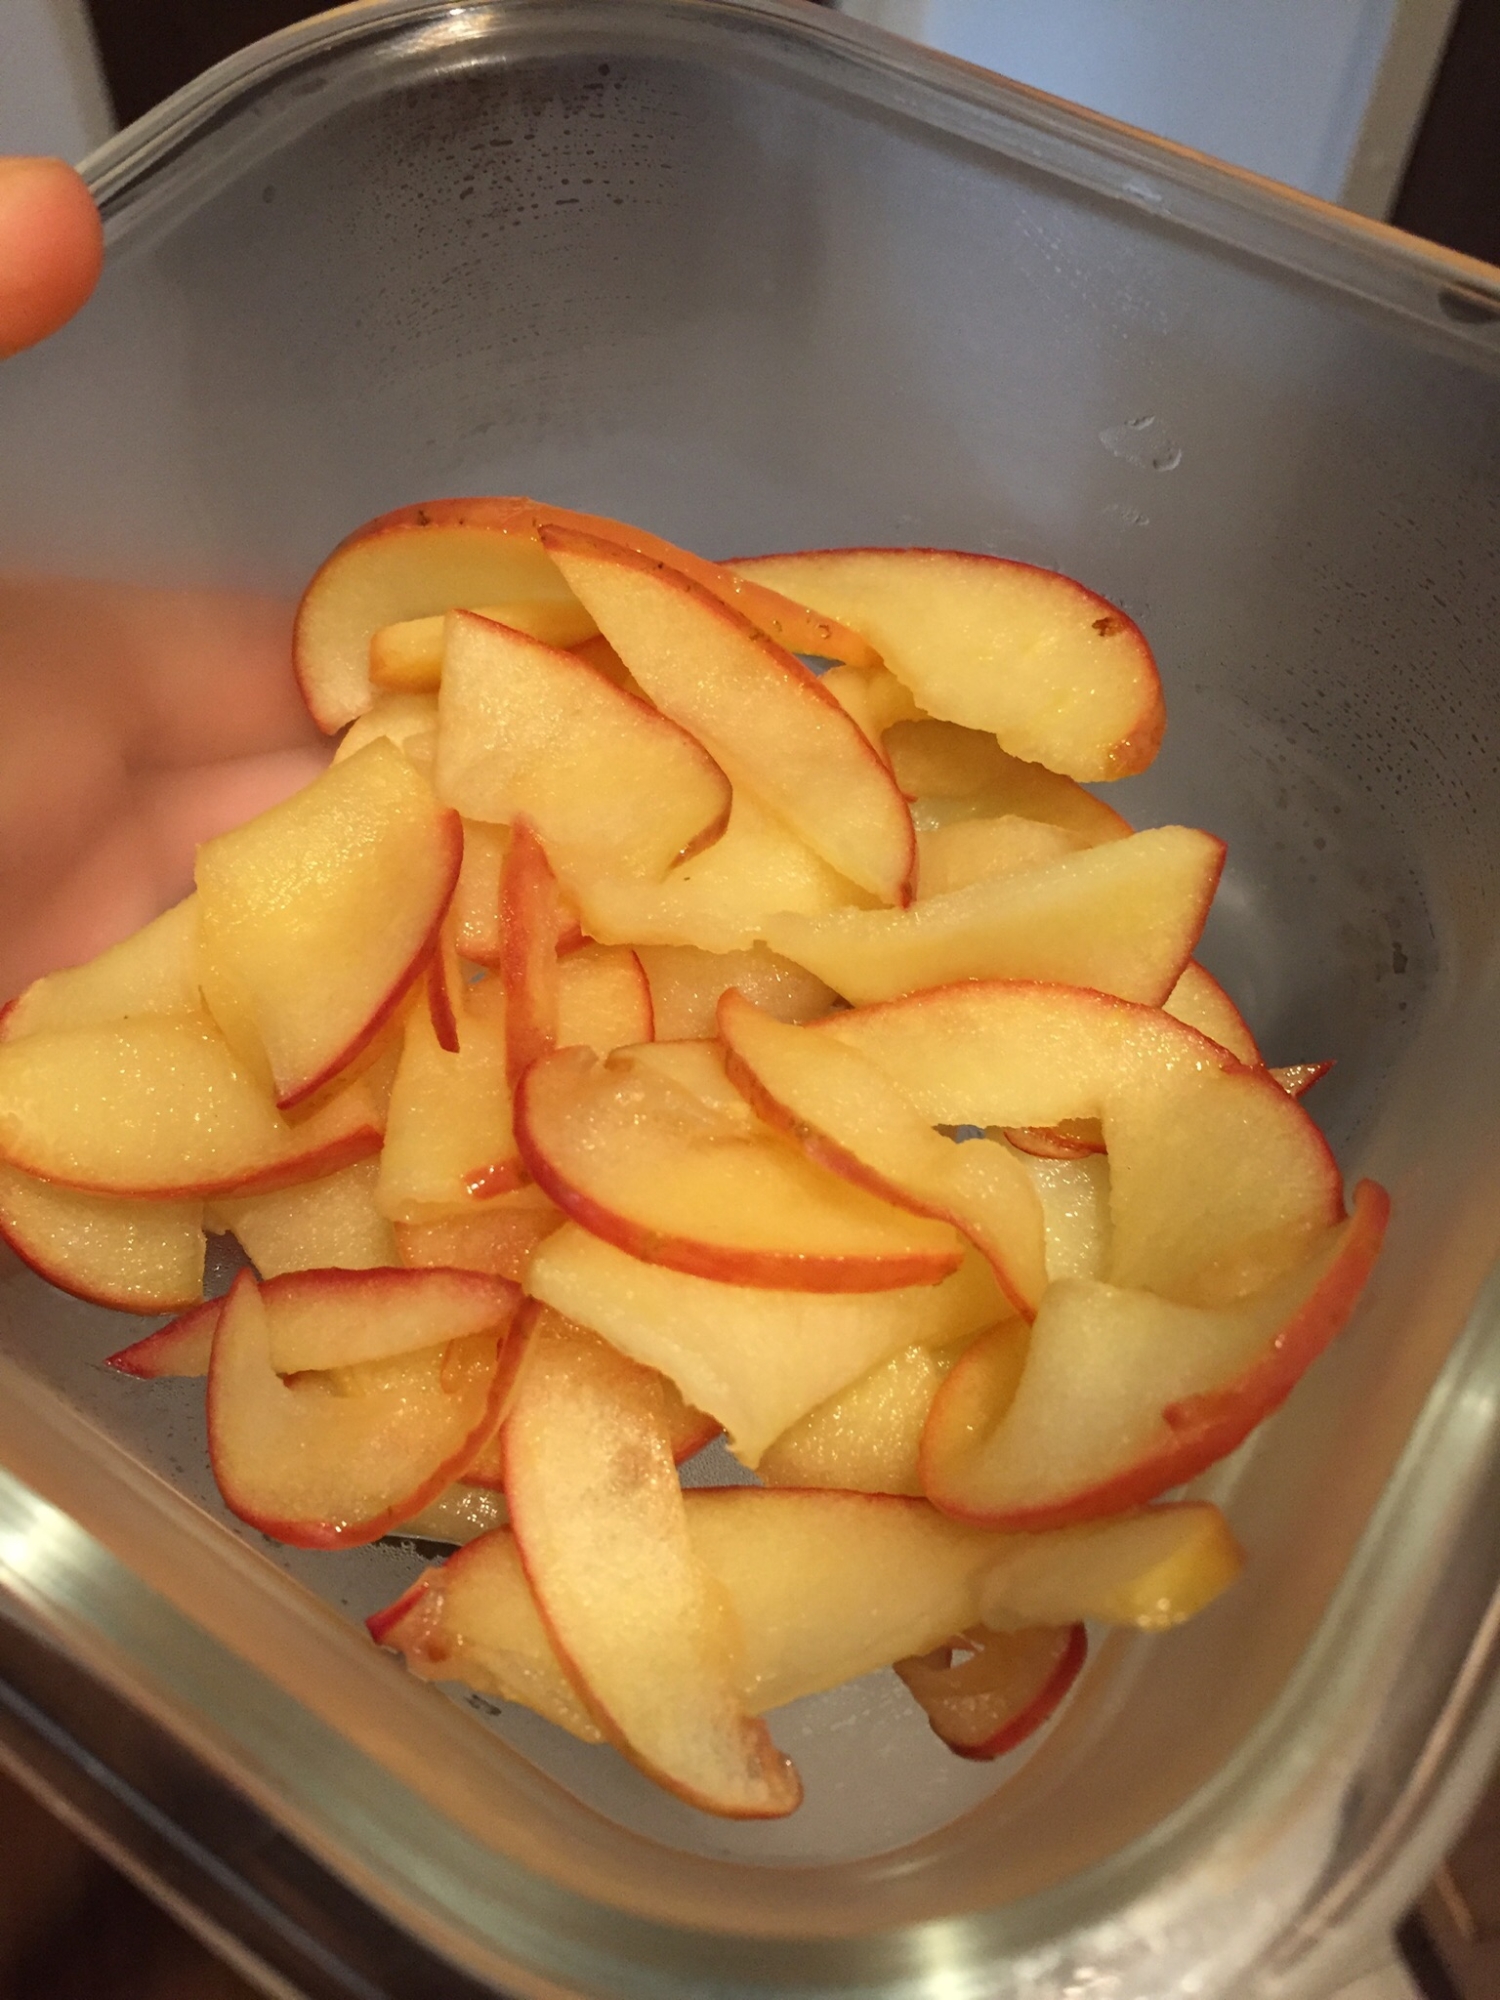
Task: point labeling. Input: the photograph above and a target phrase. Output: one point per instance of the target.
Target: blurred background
(1388, 107)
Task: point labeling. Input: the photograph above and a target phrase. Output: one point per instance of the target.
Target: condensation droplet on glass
(1132, 442)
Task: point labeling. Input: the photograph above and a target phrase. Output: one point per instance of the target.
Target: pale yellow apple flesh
(407, 720)
(449, 1142)
(498, 1236)
(978, 850)
(409, 654)
(153, 972)
(686, 984)
(134, 1256)
(959, 774)
(1153, 1569)
(317, 1225)
(867, 1438)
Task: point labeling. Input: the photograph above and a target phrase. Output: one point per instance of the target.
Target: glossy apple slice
(527, 731)
(332, 1462)
(153, 972)
(158, 1108)
(754, 1359)
(136, 1256)
(1121, 918)
(1152, 1569)
(654, 1152)
(475, 910)
(499, 1236)
(1057, 674)
(848, 1116)
(873, 697)
(988, 1691)
(761, 714)
(315, 919)
(598, 1517)
(317, 1225)
(530, 917)
(408, 720)
(1124, 1394)
(409, 654)
(686, 984)
(180, 1348)
(1201, 1001)
(979, 850)
(603, 999)
(959, 774)
(867, 1438)
(449, 1143)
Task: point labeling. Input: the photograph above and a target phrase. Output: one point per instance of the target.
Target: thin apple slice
(499, 1236)
(721, 900)
(598, 1517)
(652, 1151)
(1296, 1079)
(761, 714)
(1201, 1001)
(958, 774)
(158, 1109)
(449, 1143)
(475, 910)
(849, 1117)
(136, 1256)
(409, 654)
(1124, 1394)
(408, 720)
(754, 1359)
(153, 972)
(1057, 674)
(180, 1348)
(1121, 918)
(988, 1691)
(530, 915)
(1074, 1194)
(873, 697)
(686, 984)
(603, 999)
(1152, 1569)
(867, 1438)
(461, 1513)
(315, 919)
(532, 731)
(333, 1461)
(979, 850)
(317, 1225)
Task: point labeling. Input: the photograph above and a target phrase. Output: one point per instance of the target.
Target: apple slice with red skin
(957, 774)
(979, 850)
(868, 1437)
(445, 990)
(333, 1461)
(686, 984)
(527, 731)
(1122, 1394)
(157, 1108)
(498, 1237)
(1001, 1687)
(850, 1118)
(409, 654)
(755, 1360)
(1297, 1079)
(758, 710)
(603, 999)
(599, 1520)
(135, 1256)
(1122, 918)
(1058, 675)
(316, 918)
(653, 1151)
(449, 1143)
(530, 915)
(317, 1225)
(1152, 1568)
(408, 720)
(181, 1348)
(153, 972)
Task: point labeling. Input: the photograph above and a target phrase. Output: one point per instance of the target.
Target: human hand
(136, 722)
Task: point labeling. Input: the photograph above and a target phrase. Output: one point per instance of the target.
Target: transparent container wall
(664, 264)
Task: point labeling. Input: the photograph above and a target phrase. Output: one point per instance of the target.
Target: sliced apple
(603, 999)
(1074, 1194)
(1122, 918)
(409, 654)
(315, 918)
(408, 720)
(598, 1517)
(135, 1256)
(1124, 1394)
(475, 909)
(761, 714)
(182, 1347)
(686, 984)
(1057, 674)
(988, 1691)
(158, 1108)
(1201, 1001)
(461, 1513)
(532, 731)
(449, 1143)
(1152, 1569)
(498, 1236)
(652, 1151)
(958, 774)
(530, 915)
(317, 1225)
(873, 697)
(754, 1359)
(979, 850)
(332, 1461)
(721, 900)
(153, 972)
(867, 1438)
(1296, 1079)
(848, 1116)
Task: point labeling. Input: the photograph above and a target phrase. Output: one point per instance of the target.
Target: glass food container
(761, 278)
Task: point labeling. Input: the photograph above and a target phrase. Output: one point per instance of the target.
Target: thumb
(51, 249)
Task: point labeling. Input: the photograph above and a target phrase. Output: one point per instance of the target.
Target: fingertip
(51, 249)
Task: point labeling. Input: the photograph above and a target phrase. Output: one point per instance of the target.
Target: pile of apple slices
(636, 1035)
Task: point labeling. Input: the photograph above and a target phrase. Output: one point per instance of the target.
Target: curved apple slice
(686, 984)
(409, 720)
(332, 1462)
(1152, 1569)
(449, 1143)
(867, 1438)
(1201, 1001)
(409, 654)
(654, 1152)
(965, 851)
(1001, 1688)
(181, 1348)
(603, 999)
(755, 1360)
(136, 1256)
(850, 1118)
(530, 917)
(315, 919)
(761, 714)
(959, 774)
(532, 731)
(153, 972)
(317, 1225)
(1057, 674)
(1122, 918)
(498, 1237)
(599, 1520)
(1124, 1394)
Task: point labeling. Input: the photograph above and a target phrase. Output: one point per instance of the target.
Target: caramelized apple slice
(1057, 674)
(988, 1691)
(754, 1359)
(317, 1225)
(530, 915)
(136, 1256)
(315, 919)
(598, 1517)
(763, 716)
(153, 972)
(848, 1116)
(1122, 918)
(686, 984)
(653, 1151)
(527, 731)
(331, 1461)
